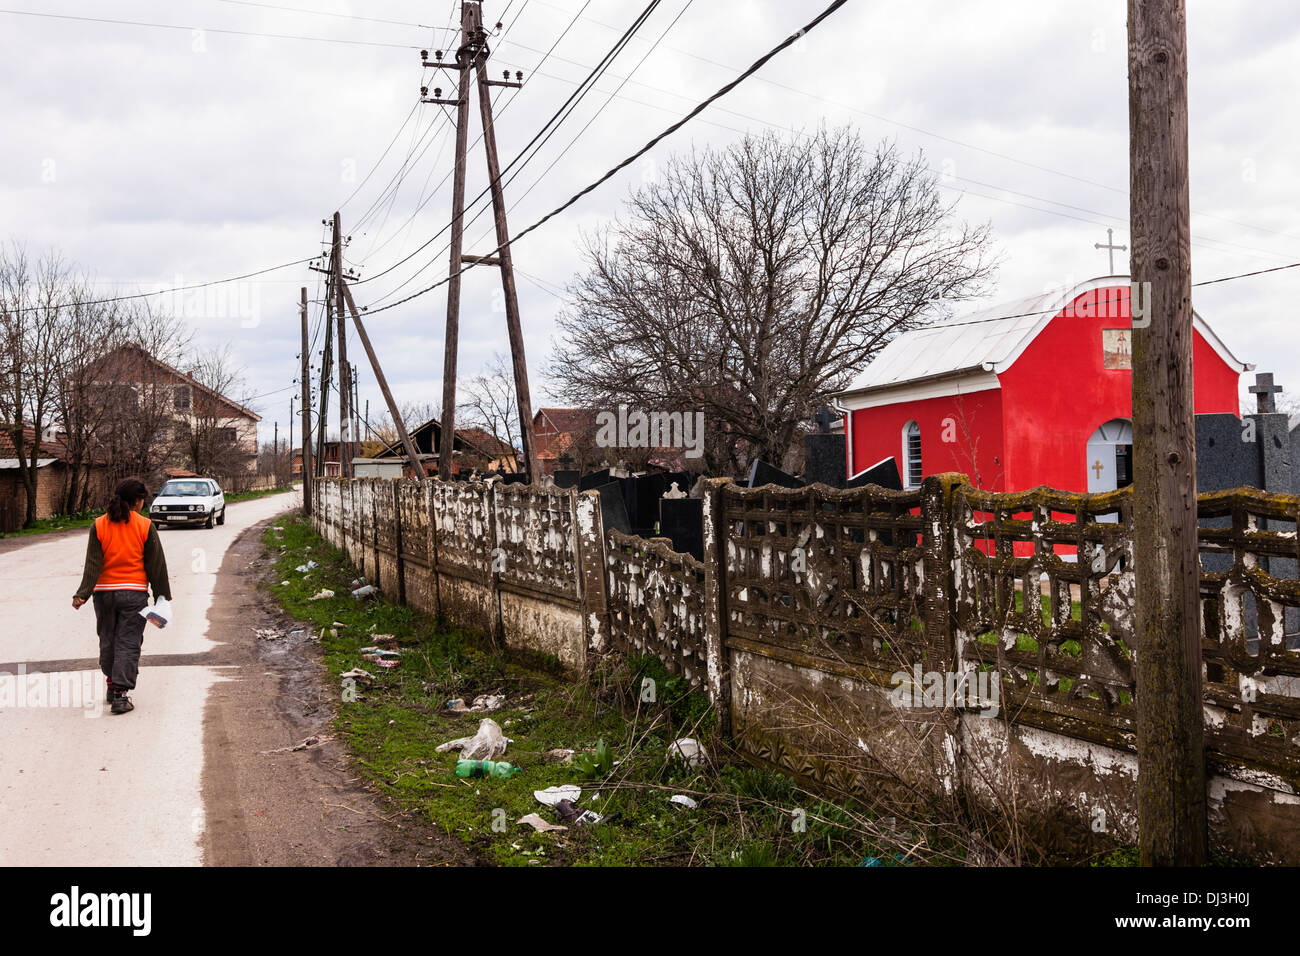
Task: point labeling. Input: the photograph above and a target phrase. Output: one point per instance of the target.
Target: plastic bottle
(485, 768)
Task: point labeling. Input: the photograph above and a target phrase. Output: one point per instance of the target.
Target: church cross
(1098, 467)
(1110, 246)
(1264, 390)
(824, 419)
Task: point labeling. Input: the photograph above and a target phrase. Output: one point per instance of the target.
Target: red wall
(878, 434)
(1052, 399)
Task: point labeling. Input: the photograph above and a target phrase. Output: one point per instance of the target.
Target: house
(473, 449)
(54, 466)
(1034, 392)
(188, 419)
(571, 434)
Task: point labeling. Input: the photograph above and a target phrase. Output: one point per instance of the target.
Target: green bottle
(485, 768)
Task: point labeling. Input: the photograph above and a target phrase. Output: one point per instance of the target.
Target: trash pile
(380, 656)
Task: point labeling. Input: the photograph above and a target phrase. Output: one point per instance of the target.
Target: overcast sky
(154, 157)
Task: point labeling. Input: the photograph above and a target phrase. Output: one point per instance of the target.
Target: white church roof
(985, 342)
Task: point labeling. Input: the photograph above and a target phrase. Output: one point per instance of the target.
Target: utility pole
(356, 408)
(1168, 698)
(327, 361)
(306, 411)
(345, 370)
(288, 458)
(473, 54)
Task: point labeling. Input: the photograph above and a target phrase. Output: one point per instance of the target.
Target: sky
(214, 146)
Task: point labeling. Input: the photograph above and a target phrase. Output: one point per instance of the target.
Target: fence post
(715, 601)
(494, 576)
(590, 526)
(431, 530)
(395, 485)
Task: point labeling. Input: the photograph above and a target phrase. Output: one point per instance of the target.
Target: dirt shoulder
(265, 802)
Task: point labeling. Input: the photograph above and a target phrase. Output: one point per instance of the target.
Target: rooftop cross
(1264, 390)
(1110, 246)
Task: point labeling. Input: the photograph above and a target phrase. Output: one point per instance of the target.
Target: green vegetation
(260, 493)
(81, 519)
(745, 815)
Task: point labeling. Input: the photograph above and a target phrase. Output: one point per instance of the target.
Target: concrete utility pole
(473, 54)
(306, 411)
(1170, 726)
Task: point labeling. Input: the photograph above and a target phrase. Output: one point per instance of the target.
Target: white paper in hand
(160, 614)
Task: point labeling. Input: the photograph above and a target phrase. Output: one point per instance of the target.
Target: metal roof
(989, 341)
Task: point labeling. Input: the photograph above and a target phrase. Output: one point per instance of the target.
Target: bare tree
(490, 404)
(36, 311)
(212, 443)
(753, 282)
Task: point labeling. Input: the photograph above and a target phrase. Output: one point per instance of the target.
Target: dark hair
(127, 494)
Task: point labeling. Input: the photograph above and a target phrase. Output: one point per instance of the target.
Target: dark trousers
(121, 634)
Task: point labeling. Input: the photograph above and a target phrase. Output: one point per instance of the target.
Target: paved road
(79, 786)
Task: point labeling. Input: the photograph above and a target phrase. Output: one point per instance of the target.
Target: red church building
(1035, 392)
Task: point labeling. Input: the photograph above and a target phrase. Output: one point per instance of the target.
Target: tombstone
(567, 477)
(593, 480)
(824, 453)
(642, 494)
(682, 521)
(613, 510)
(883, 474)
(761, 473)
(514, 478)
(674, 492)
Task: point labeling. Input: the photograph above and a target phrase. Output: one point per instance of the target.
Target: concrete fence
(974, 646)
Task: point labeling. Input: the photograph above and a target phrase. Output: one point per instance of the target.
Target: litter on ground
(690, 750)
(552, 796)
(537, 823)
(321, 595)
(683, 801)
(487, 744)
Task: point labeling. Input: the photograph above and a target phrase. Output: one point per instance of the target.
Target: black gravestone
(764, 474)
(1225, 458)
(882, 473)
(567, 478)
(593, 480)
(682, 520)
(613, 510)
(824, 460)
(642, 494)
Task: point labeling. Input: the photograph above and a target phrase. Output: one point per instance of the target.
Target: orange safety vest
(123, 545)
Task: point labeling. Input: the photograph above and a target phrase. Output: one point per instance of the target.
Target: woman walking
(124, 558)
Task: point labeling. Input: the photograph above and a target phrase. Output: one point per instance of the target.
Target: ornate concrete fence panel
(656, 604)
(1250, 619)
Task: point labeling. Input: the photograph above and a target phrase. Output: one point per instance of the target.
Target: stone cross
(1110, 246)
(824, 417)
(1264, 390)
(566, 461)
(674, 492)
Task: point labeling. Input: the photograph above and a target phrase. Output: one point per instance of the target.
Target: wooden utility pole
(412, 455)
(473, 54)
(327, 361)
(507, 271)
(345, 370)
(304, 377)
(1170, 725)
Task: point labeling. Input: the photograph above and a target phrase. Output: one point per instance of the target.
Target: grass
(259, 493)
(746, 816)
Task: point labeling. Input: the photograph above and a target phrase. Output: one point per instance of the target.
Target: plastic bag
(160, 615)
(488, 744)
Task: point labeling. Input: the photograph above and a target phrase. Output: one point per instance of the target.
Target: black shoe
(122, 704)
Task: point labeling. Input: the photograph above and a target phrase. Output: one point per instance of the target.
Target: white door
(1105, 448)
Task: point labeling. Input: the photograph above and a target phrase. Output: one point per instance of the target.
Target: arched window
(911, 469)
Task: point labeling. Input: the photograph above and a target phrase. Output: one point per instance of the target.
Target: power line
(169, 291)
(326, 13)
(723, 91)
(577, 94)
(218, 30)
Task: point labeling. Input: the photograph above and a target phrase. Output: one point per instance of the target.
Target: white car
(189, 501)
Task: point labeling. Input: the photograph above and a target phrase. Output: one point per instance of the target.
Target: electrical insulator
(519, 75)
